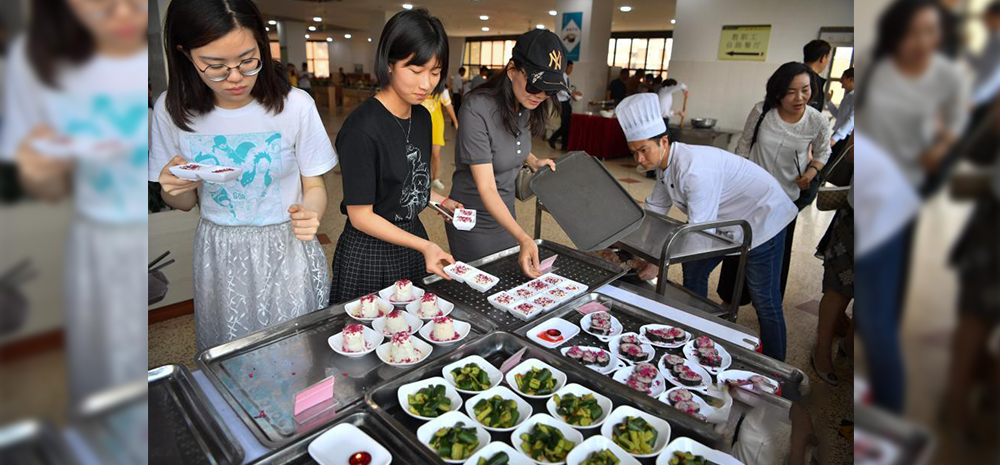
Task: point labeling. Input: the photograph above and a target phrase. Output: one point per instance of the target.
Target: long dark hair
(56, 37)
(777, 87)
(892, 28)
(195, 23)
(500, 88)
(416, 33)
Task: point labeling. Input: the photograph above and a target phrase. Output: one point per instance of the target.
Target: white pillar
(456, 53)
(292, 38)
(590, 72)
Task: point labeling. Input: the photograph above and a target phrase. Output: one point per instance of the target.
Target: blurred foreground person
(77, 124)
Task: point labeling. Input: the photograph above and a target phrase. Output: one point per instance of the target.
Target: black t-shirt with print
(379, 168)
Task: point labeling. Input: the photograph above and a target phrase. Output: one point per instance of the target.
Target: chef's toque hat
(640, 117)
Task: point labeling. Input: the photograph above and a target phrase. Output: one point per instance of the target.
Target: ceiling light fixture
(625, 8)
(407, 6)
(539, 26)
(484, 18)
(317, 19)
(673, 21)
(553, 12)
(486, 29)
(307, 36)
(347, 36)
(312, 28)
(329, 39)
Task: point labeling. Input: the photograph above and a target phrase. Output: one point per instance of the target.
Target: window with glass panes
(649, 51)
(492, 52)
(842, 59)
(318, 59)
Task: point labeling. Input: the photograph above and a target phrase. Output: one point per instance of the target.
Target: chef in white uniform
(710, 184)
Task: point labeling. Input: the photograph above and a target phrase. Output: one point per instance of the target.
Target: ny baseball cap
(543, 57)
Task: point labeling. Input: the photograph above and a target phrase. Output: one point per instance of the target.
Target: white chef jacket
(709, 184)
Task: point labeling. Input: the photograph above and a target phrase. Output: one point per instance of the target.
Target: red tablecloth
(598, 136)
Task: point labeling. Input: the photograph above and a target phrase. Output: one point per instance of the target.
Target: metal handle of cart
(744, 249)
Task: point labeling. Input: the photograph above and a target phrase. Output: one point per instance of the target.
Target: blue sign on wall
(572, 34)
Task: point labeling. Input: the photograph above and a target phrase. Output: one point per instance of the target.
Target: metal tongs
(153, 263)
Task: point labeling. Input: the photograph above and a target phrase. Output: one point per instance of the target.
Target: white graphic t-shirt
(273, 151)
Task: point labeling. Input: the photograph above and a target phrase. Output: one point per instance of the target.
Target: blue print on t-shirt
(253, 198)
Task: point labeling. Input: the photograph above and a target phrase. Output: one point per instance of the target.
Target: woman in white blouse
(790, 140)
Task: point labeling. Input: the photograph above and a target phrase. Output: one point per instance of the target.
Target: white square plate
(459, 271)
(462, 330)
(352, 308)
(415, 323)
(525, 367)
(372, 340)
(426, 432)
(568, 330)
(491, 371)
(406, 390)
(660, 425)
(444, 308)
(336, 446)
(389, 294)
(597, 444)
(516, 312)
(422, 348)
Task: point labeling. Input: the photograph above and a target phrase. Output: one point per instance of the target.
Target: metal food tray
(114, 424)
(914, 445)
(498, 347)
(581, 189)
(260, 374)
(402, 452)
(32, 442)
(794, 383)
(184, 430)
(571, 264)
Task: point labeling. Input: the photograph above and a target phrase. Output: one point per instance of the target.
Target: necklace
(409, 125)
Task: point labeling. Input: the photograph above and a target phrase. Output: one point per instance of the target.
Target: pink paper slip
(592, 307)
(512, 362)
(547, 263)
(317, 395)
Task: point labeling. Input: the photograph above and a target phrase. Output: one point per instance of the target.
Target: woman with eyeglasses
(72, 76)
(494, 141)
(256, 260)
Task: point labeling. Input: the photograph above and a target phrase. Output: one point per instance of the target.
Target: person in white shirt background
(305, 79)
(457, 88)
(844, 125)
(257, 261)
(82, 84)
(566, 109)
(710, 184)
(779, 135)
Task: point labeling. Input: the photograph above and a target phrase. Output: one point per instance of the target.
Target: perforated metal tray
(260, 374)
(402, 452)
(588, 203)
(183, 430)
(571, 263)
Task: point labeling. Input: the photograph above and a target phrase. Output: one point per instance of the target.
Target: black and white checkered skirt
(363, 264)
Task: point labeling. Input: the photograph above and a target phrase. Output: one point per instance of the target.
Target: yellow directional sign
(744, 43)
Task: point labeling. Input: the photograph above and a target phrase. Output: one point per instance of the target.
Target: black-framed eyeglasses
(219, 72)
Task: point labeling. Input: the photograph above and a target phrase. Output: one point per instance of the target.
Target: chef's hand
(528, 258)
(538, 163)
(436, 259)
(173, 185)
(305, 222)
(805, 180)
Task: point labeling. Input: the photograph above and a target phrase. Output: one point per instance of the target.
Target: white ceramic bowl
(372, 341)
(461, 328)
(580, 391)
(567, 431)
(660, 425)
(423, 348)
(524, 409)
(690, 445)
(383, 305)
(692, 354)
(426, 432)
(444, 308)
(616, 327)
(615, 342)
(494, 448)
(388, 295)
(406, 390)
(415, 323)
(567, 329)
(525, 367)
(706, 379)
(494, 374)
(335, 446)
(597, 444)
(613, 364)
(659, 384)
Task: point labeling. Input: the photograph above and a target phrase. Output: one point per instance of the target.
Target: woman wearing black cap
(494, 141)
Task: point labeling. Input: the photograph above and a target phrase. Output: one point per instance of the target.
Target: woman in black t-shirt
(384, 148)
